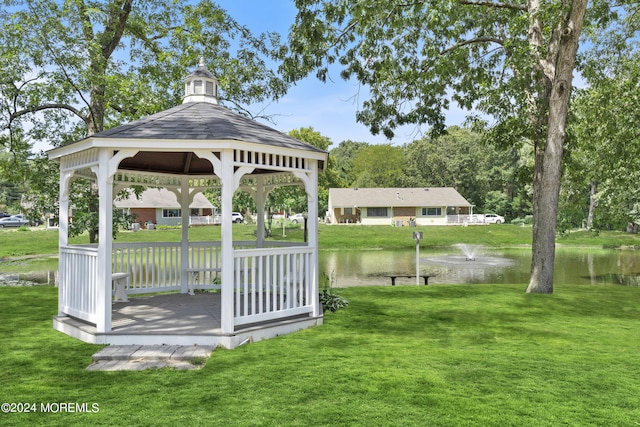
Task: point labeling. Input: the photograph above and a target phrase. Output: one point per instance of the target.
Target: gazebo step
(140, 357)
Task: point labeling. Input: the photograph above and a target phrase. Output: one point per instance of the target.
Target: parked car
(296, 218)
(237, 217)
(4, 215)
(493, 219)
(30, 221)
(12, 221)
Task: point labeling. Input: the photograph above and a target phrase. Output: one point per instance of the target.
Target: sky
(330, 108)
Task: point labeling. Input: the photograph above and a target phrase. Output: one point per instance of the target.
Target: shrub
(332, 302)
(329, 300)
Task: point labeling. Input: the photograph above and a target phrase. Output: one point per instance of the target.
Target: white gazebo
(258, 289)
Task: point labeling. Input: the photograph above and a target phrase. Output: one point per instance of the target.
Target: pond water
(456, 265)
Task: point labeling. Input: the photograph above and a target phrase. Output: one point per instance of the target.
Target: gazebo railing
(152, 267)
(77, 284)
(272, 283)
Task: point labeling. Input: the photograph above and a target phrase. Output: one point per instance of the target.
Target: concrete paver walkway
(140, 357)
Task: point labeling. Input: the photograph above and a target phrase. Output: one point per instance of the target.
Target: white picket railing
(270, 283)
(77, 285)
(153, 267)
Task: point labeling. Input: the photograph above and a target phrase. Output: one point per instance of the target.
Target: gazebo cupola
(201, 86)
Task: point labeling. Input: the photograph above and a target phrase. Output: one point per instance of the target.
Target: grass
(410, 355)
(17, 243)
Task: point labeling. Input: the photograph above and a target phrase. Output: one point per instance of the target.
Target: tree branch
(87, 26)
(34, 109)
(496, 5)
(115, 30)
(473, 41)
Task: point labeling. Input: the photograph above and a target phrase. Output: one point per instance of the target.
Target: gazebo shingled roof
(195, 121)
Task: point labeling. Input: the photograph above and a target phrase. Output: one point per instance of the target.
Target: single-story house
(398, 206)
(161, 207)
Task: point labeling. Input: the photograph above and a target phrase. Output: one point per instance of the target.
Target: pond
(456, 265)
(453, 266)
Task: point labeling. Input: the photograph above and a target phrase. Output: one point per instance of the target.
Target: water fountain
(469, 251)
(471, 257)
(470, 265)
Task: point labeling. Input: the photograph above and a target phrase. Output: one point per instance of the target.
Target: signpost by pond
(417, 235)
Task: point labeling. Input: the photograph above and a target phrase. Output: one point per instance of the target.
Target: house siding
(403, 205)
(143, 216)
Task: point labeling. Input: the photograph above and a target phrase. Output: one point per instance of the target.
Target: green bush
(332, 302)
(329, 300)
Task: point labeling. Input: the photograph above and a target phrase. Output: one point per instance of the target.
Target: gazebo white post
(184, 240)
(226, 293)
(105, 226)
(310, 181)
(260, 201)
(312, 206)
(63, 230)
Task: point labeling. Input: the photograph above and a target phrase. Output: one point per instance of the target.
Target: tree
(43, 188)
(294, 199)
(89, 65)
(71, 69)
(604, 160)
(379, 166)
(342, 156)
(513, 61)
(463, 160)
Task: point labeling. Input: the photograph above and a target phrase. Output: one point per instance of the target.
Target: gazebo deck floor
(172, 314)
(176, 319)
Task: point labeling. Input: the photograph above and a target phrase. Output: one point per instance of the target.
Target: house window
(348, 211)
(171, 213)
(377, 212)
(431, 211)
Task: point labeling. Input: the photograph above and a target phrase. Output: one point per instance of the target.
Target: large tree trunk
(548, 168)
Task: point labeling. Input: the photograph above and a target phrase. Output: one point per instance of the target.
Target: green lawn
(331, 237)
(483, 355)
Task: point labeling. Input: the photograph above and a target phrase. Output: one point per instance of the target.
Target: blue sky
(330, 107)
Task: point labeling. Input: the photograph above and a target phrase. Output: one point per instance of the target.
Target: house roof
(401, 197)
(161, 198)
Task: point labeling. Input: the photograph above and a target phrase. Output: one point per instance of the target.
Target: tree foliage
(511, 61)
(71, 69)
(379, 166)
(88, 65)
(486, 175)
(342, 157)
(605, 150)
